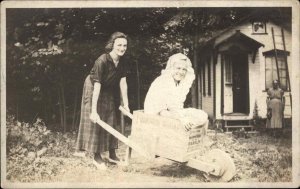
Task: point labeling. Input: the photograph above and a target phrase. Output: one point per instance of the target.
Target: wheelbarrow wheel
(222, 159)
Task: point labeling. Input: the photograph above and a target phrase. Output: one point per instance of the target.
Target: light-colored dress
(276, 106)
(165, 94)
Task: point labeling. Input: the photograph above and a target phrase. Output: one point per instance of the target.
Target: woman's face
(275, 84)
(120, 46)
(179, 70)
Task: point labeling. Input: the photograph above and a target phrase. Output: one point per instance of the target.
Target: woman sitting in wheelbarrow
(168, 92)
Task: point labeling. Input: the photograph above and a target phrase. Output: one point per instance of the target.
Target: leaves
(56, 48)
(260, 158)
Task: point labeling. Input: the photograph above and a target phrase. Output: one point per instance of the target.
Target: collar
(109, 59)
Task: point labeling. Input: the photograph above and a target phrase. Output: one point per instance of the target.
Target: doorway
(240, 83)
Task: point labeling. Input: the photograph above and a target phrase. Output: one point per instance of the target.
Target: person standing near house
(275, 105)
(101, 99)
(167, 93)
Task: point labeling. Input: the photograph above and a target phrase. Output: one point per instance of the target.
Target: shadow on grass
(178, 170)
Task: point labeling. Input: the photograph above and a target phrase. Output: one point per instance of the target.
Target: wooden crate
(165, 137)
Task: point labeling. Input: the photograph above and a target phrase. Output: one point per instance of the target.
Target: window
(228, 70)
(271, 71)
(259, 27)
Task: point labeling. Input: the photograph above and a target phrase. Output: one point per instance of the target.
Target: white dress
(164, 94)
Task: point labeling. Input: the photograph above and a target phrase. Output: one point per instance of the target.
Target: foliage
(260, 158)
(50, 52)
(28, 144)
(257, 120)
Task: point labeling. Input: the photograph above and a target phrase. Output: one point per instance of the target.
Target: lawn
(34, 154)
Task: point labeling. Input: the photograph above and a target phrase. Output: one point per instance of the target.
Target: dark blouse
(106, 73)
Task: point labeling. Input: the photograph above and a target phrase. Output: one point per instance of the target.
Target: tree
(51, 51)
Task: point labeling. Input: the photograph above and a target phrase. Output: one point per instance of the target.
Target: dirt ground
(259, 157)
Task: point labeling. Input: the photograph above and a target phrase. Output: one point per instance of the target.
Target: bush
(27, 143)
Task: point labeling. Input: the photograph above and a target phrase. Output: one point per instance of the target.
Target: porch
(234, 121)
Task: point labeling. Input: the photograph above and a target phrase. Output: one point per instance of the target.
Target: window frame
(228, 71)
(261, 32)
(282, 68)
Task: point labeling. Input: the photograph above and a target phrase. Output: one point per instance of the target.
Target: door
(240, 83)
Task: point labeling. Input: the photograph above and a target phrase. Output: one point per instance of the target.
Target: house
(237, 66)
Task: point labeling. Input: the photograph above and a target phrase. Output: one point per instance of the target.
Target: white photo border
(295, 77)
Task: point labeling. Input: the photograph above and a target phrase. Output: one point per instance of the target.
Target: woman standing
(275, 104)
(101, 99)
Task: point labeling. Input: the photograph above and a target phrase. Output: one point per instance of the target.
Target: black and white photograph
(150, 94)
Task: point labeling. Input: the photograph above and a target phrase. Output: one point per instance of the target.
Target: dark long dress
(276, 106)
(92, 137)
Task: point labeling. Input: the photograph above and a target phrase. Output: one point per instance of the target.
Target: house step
(238, 124)
(237, 127)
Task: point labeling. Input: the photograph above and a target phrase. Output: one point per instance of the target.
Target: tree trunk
(64, 108)
(17, 109)
(75, 108)
(60, 108)
(194, 91)
(45, 102)
(45, 112)
(138, 86)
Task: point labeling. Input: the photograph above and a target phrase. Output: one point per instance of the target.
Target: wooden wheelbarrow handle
(125, 112)
(123, 139)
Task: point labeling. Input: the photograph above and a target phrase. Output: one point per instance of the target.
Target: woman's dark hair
(275, 81)
(113, 37)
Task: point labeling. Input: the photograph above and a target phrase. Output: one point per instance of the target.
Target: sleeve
(97, 71)
(124, 70)
(281, 92)
(269, 93)
(155, 101)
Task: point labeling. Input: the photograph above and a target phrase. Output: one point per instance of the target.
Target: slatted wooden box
(165, 137)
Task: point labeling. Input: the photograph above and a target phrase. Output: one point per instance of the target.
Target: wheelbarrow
(155, 136)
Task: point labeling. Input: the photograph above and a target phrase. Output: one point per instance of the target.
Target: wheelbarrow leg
(128, 155)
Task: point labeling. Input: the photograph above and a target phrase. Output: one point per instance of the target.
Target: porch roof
(240, 38)
(279, 52)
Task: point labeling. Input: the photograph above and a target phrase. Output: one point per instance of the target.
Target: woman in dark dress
(101, 99)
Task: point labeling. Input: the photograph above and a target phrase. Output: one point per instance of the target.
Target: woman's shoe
(114, 160)
(79, 154)
(117, 161)
(113, 157)
(100, 166)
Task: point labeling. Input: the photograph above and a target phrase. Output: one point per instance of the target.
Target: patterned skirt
(91, 136)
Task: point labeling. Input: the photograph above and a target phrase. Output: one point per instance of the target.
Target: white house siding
(257, 91)
(208, 101)
(218, 88)
(255, 82)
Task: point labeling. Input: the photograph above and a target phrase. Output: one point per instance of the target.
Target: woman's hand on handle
(95, 117)
(126, 108)
(96, 92)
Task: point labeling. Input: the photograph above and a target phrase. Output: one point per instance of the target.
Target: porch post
(195, 89)
(222, 84)
(215, 60)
